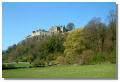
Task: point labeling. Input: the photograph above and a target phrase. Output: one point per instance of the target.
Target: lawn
(99, 71)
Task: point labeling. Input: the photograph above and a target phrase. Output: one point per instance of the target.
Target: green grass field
(99, 71)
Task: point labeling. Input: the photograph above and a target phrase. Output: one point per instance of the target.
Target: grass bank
(99, 71)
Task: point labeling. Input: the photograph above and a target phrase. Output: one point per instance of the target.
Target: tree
(110, 35)
(101, 36)
(112, 28)
(95, 35)
(70, 26)
(30, 58)
(91, 34)
(74, 45)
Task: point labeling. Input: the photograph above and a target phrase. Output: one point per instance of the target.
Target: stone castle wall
(52, 30)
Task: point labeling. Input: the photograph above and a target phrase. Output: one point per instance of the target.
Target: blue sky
(20, 19)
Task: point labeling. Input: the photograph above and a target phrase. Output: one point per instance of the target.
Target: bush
(70, 58)
(98, 58)
(8, 66)
(86, 57)
(61, 60)
(52, 63)
(111, 57)
(39, 63)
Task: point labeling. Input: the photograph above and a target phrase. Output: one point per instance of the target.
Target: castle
(52, 30)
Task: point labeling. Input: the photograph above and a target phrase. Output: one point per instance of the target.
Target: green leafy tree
(74, 45)
(70, 26)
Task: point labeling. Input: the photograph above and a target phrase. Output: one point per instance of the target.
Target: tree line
(93, 44)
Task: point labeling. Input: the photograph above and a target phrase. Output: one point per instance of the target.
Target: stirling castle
(52, 30)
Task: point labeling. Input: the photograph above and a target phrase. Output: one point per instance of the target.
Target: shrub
(8, 66)
(98, 58)
(86, 57)
(61, 60)
(39, 63)
(70, 58)
(111, 57)
(52, 63)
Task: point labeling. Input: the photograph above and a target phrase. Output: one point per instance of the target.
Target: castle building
(52, 30)
(58, 29)
(39, 32)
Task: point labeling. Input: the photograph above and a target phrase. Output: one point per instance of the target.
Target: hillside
(93, 44)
